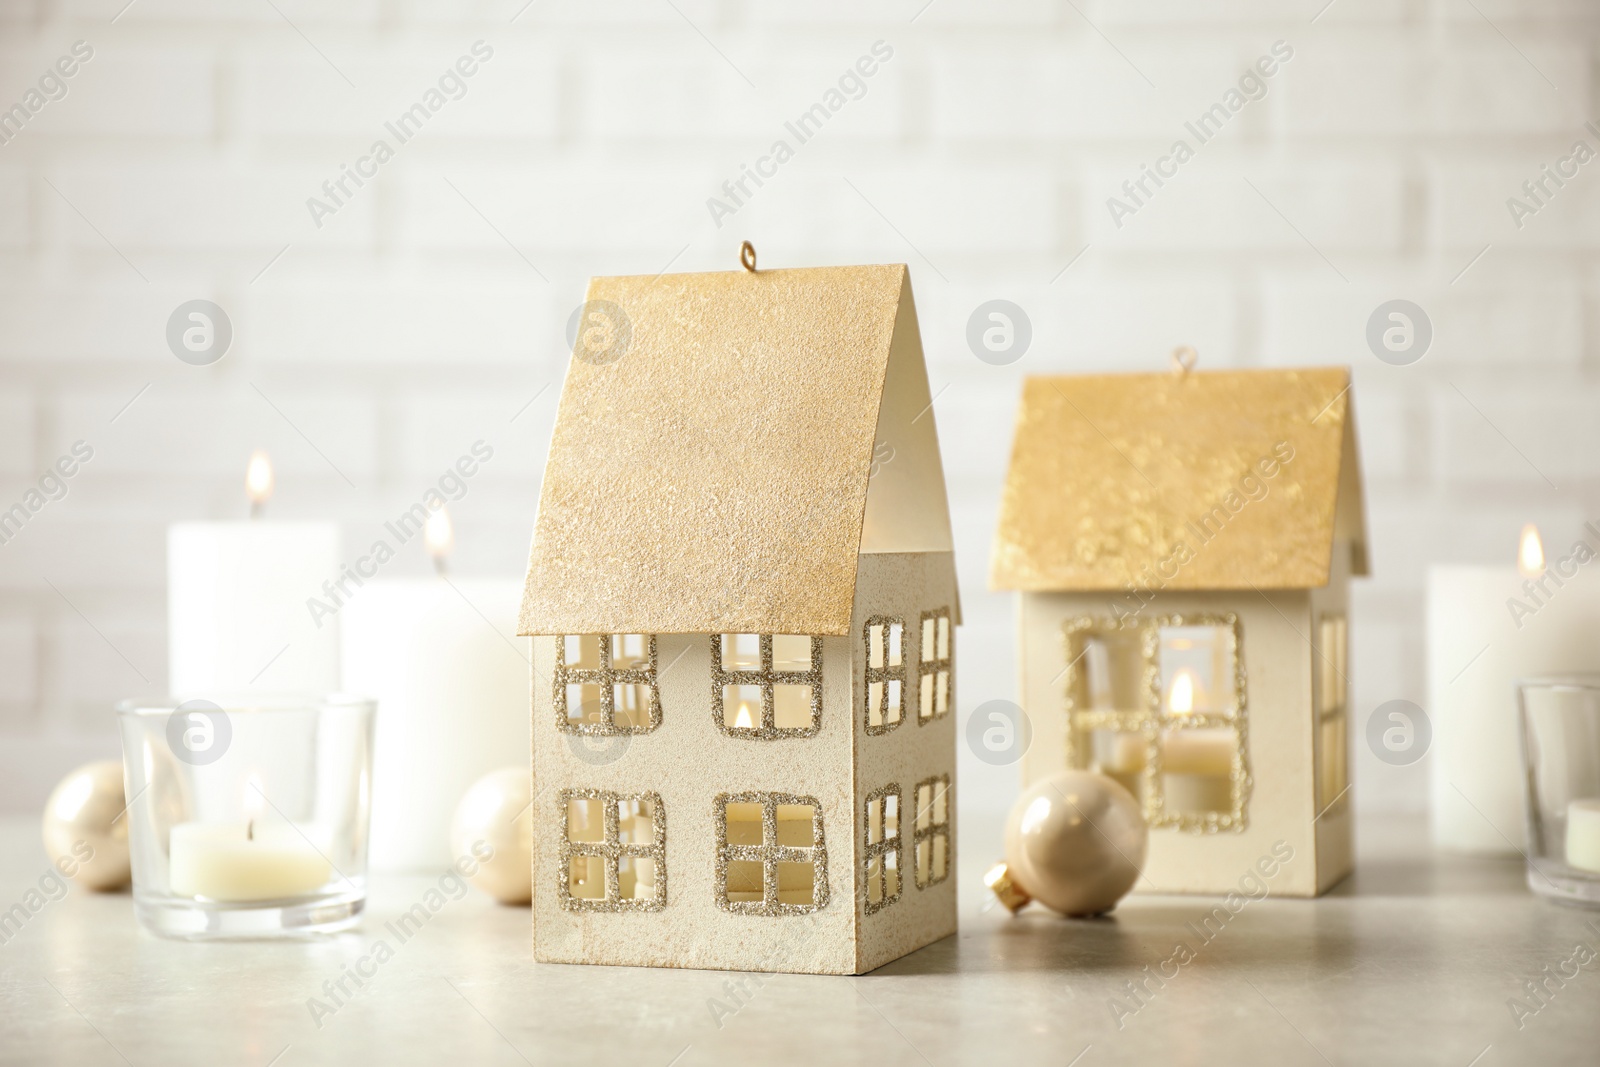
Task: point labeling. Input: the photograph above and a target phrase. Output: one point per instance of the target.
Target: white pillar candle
(236, 607)
(237, 618)
(1208, 751)
(1487, 627)
(244, 861)
(451, 679)
(1583, 834)
(1197, 768)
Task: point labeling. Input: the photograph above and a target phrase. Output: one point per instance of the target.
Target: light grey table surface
(1412, 961)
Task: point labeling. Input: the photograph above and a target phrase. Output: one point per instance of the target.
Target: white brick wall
(422, 317)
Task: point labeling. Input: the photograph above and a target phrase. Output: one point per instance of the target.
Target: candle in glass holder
(1583, 834)
(237, 862)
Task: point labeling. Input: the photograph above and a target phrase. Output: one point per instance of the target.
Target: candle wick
(250, 830)
(255, 509)
(438, 564)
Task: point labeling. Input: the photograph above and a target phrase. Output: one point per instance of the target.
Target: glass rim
(1577, 681)
(252, 704)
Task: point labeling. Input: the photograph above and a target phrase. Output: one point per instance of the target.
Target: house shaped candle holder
(1182, 545)
(743, 603)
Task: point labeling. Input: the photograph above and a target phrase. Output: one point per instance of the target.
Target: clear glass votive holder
(1559, 718)
(247, 818)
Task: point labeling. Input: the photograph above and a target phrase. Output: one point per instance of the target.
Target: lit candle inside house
(236, 601)
(258, 859)
(1197, 763)
(441, 655)
(1487, 627)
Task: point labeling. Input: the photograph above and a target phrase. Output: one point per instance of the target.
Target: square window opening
(581, 650)
(741, 707)
(629, 651)
(583, 703)
(745, 880)
(586, 878)
(791, 707)
(636, 821)
(586, 820)
(744, 824)
(741, 652)
(630, 704)
(791, 652)
(796, 825)
(636, 877)
(796, 882)
(1196, 667)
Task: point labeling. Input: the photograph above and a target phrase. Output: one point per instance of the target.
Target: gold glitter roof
(714, 477)
(1181, 481)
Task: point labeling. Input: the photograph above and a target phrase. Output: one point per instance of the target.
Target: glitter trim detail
(883, 850)
(932, 669)
(766, 678)
(769, 854)
(937, 786)
(607, 676)
(611, 849)
(885, 674)
(1152, 719)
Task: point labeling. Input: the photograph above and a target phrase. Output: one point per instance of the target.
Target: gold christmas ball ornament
(1075, 842)
(491, 836)
(85, 831)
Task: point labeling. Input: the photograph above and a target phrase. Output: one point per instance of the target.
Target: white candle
(1197, 764)
(1487, 627)
(244, 861)
(451, 678)
(1207, 751)
(1583, 834)
(236, 604)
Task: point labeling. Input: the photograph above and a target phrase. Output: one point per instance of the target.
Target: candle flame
(255, 801)
(1180, 698)
(1530, 552)
(439, 534)
(258, 479)
(742, 719)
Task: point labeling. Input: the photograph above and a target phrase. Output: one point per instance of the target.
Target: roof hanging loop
(747, 256)
(1184, 357)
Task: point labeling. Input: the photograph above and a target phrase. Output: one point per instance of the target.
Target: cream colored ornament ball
(496, 812)
(1076, 842)
(83, 835)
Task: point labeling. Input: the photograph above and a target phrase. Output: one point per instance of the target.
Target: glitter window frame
(607, 677)
(884, 674)
(930, 670)
(937, 785)
(769, 854)
(766, 678)
(1150, 720)
(882, 849)
(611, 849)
